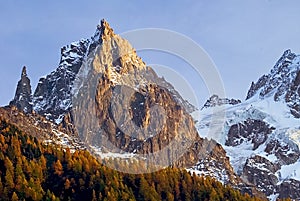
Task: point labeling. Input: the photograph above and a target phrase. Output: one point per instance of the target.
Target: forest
(30, 170)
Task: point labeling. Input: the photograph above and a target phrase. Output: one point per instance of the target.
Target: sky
(244, 39)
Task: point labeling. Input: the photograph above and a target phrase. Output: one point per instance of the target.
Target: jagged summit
(104, 29)
(282, 83)
(109, 54)
(215, 100)
(279, 78)
(103, 32)
(113, 64)
(24, 73)
(261, 135)
(23, 97)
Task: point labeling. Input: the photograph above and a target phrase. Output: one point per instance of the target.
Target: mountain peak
(23, 97)
(215, 100)
(103, 31)
(281, 83)
(24, 73)
(105, 27)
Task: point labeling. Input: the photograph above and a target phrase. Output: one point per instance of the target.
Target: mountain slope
(32, 171)
(261, 134)
(103, 95)
(282, 83)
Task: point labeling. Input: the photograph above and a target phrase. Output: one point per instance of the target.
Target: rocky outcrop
(38, 126)
(23, 96)
(215, 100)
(250, 131)
(261, 172)
(286, 152)
(278, 81)
(289, 188)
(265, 175)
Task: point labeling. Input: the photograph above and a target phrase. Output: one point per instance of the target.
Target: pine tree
(58, 168)
(14, 197)
(9, 180)
(213, 195)
(43, 162)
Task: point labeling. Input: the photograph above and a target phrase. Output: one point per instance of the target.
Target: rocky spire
(278, 81)
(24, 73)
(23, 97)
(103, 31)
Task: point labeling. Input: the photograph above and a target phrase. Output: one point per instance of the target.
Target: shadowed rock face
(261, 172)
(251, 130)
(23, 97)
(289, 188)
(287, 153)
(292, 96)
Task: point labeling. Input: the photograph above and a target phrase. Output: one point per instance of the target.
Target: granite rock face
(138, 112)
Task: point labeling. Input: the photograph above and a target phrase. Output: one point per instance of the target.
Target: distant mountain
(261, 135)
(282, 83)
(215, 100)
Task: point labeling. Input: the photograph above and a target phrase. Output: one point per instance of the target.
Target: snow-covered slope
(262, 134)
(280, 146)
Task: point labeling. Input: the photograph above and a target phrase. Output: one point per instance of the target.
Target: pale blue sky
(244, 38)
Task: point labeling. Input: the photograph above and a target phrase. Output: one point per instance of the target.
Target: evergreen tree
(58, 169)
(14, 197)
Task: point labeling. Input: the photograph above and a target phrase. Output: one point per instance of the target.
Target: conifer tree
(14, 197)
